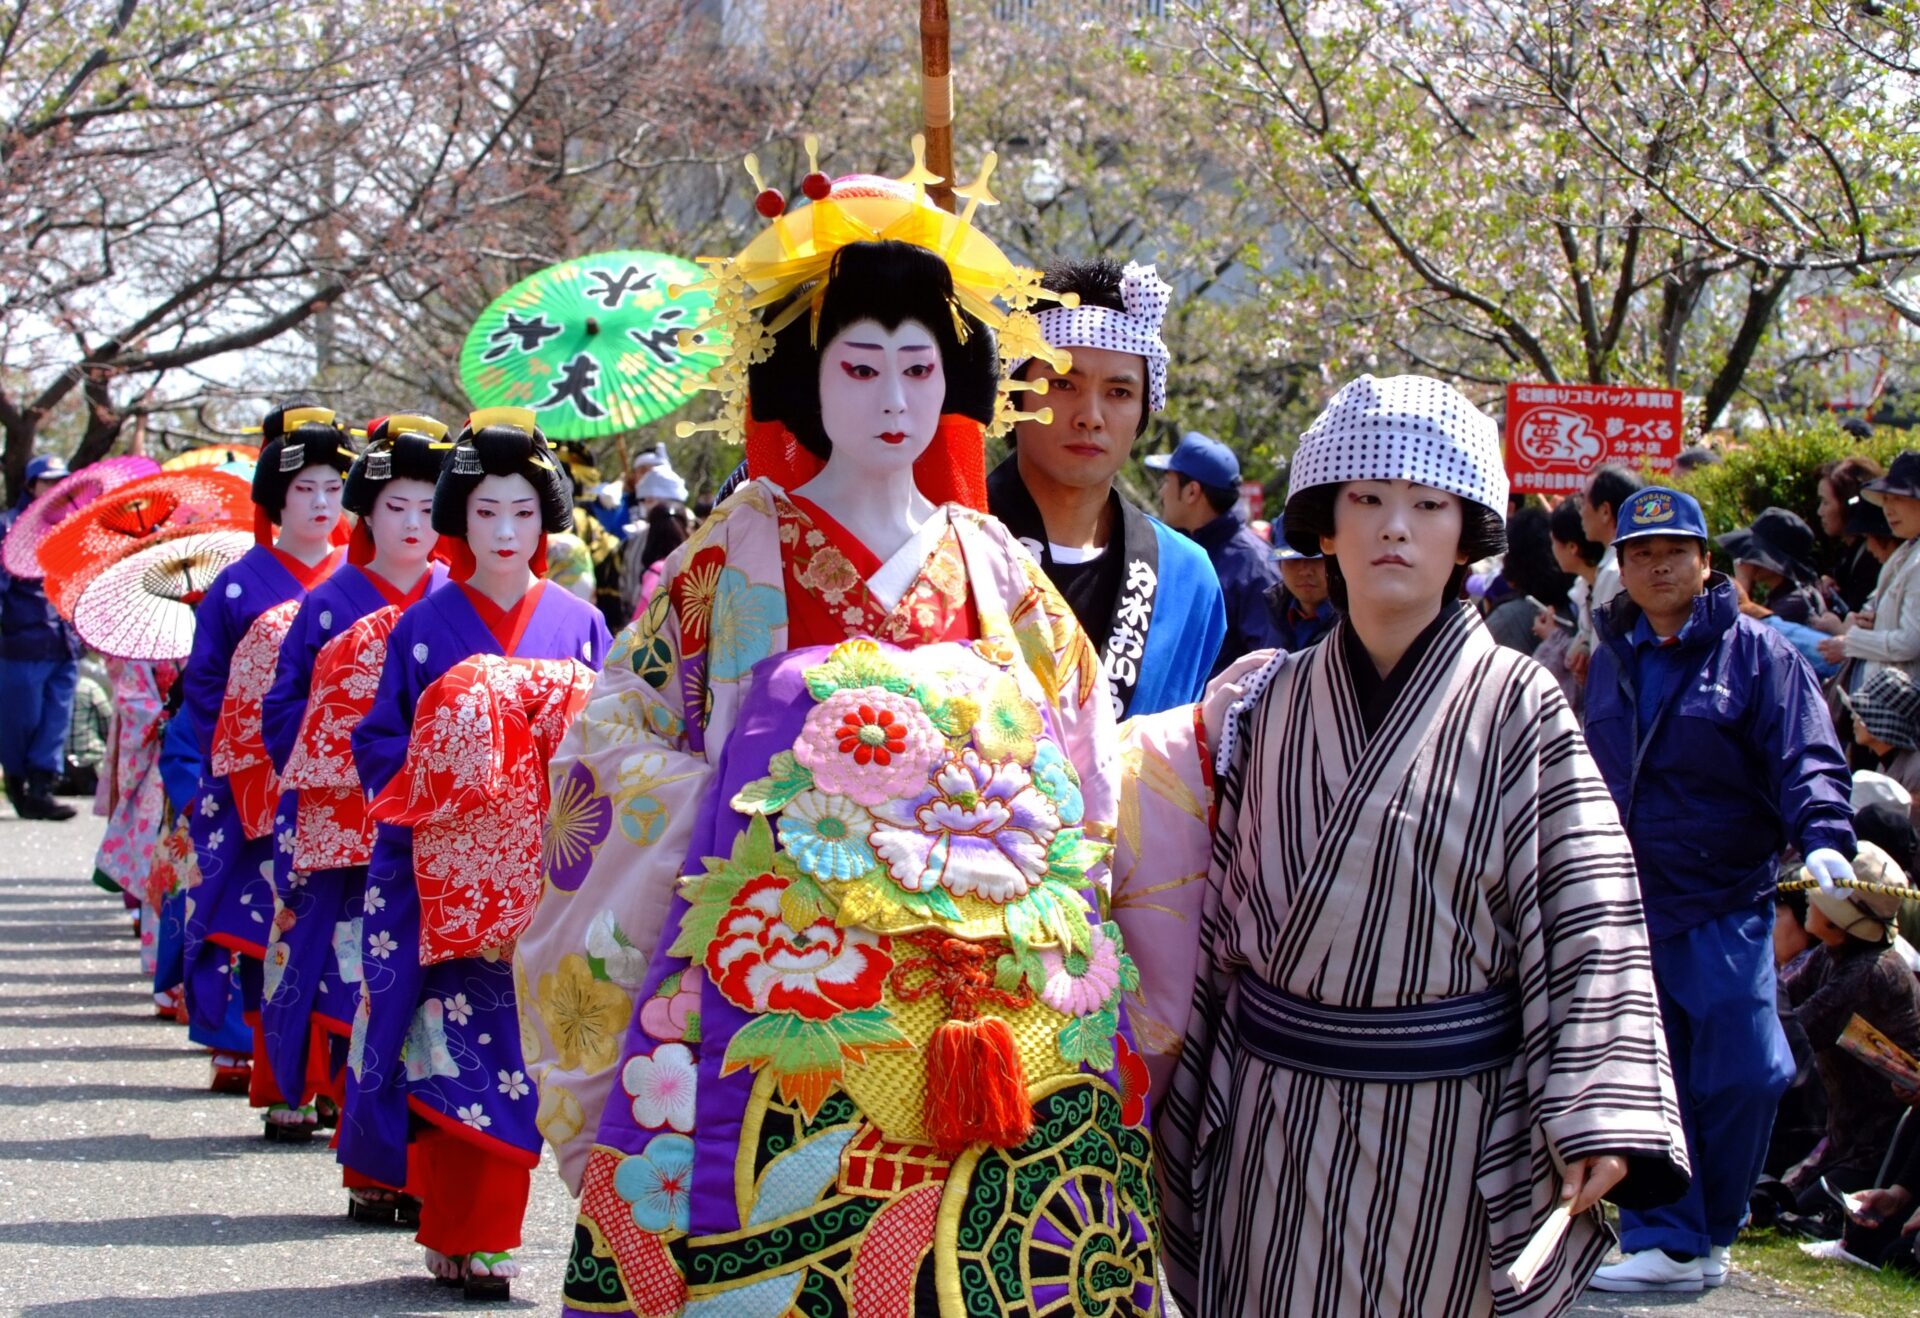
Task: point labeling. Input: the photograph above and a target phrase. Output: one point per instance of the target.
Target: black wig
(296, 435)
(401, 447)
(504, 442)
(1309, 515)
(888, 282)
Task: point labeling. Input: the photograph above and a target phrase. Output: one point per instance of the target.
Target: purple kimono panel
(441, 1041)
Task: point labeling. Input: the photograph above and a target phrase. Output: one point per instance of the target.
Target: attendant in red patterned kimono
(329, 668)
(482, 678)
(236, 643)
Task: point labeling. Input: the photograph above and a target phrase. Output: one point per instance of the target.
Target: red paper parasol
(142, 606)
(22, 553)
(135, 516)
(213, 455)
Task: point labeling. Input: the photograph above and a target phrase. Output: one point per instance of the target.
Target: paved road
(128, 1191)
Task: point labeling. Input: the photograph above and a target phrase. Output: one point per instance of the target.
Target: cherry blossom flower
(662, 1087)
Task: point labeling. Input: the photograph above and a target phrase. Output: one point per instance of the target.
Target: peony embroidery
(661, 1087)
(1080, 983)
(760, 963)
(984, 829)
(827, 836)
(870, 745)
(658, 1182)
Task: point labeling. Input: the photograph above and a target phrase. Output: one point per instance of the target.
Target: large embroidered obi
(474, 791)
(884, 1055)
(239, 750)
(334, 829)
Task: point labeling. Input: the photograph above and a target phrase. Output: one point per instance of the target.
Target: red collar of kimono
(864, 560)
(507, 625)
(393, 595)
(308, 577)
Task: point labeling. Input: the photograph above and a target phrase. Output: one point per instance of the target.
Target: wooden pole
(936, 96)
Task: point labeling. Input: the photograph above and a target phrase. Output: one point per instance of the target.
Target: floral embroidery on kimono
(474, 790)
(239, 749)
(333, 828)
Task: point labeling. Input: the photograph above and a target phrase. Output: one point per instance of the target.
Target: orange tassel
(976, 1086)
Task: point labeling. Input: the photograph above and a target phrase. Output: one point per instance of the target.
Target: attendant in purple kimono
(435, 1069)
(296, 488)
(312, 962)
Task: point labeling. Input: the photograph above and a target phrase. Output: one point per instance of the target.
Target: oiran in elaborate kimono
(878, 1058)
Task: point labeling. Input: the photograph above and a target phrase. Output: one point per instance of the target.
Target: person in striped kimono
(1406, 1008)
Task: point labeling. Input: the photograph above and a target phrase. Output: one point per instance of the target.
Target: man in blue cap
(1302, 605)
(39, 664)
(1717, 747)
(1199, 486)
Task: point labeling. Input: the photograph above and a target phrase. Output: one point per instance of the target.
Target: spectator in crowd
(1885, 632)
(1533, 578)
(1805, 640)
(1199, 486)
(87, 729)
(38, 657)
(655, 485)
(1773, 562)
(1302, 608)
(1716, 744)
(1800, 1122)
(668, 526)
(1854, 971)
(1607, 492)
(1852, 568)
(1886, 723)
(1580, 555)
(1883, 1231)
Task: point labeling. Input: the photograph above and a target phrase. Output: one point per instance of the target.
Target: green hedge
(1777, 469)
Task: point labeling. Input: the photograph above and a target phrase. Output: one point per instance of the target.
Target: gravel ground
(129, 1191)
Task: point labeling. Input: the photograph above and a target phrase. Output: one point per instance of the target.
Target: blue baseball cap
(1660, 511)
(46, 467)
(1199, 458)
(1286, 553)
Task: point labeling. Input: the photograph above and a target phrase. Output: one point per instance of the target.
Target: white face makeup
(1397, 543)
(503, 525)
(881, 392)
(401, 523)
(313, 508)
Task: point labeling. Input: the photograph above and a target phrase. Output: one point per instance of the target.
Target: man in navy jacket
(1714, 740)
(39, 655)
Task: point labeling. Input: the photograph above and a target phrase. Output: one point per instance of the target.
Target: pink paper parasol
(142, 606)
(136, 515)
(21, 555)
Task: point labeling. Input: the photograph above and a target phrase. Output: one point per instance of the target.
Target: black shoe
(16, 795)
(38, 801)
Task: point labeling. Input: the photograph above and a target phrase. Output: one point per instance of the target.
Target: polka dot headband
(1404, 428)
(1135, 330)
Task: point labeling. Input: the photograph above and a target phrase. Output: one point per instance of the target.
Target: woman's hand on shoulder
(1223, 690)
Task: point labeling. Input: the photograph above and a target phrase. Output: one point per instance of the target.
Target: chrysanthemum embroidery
(869, 745)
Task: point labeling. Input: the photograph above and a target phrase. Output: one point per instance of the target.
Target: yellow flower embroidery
(1007, 724)
(585, 1017)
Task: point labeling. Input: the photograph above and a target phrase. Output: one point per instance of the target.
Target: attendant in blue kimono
(481, 678)
(312, 961)
(296, 488)
(1146, 595)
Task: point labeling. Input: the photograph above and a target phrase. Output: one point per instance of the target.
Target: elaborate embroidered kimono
(1464, 852)
(229, 910)
(323, 837)
(1168, 616)
(894, 850)
(442, 1042)
(130, 778)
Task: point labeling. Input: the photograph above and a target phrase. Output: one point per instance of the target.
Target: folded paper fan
(142, 607)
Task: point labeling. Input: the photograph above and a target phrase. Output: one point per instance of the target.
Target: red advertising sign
(1558, 433)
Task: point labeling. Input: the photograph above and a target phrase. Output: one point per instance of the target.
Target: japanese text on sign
(1557, 434)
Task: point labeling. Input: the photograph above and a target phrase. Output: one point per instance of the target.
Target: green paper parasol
(592, 345)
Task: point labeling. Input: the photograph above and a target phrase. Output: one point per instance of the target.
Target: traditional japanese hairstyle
(808, 274)
(501, 441)
(294, 436)
(406, 446)
(1404, 427)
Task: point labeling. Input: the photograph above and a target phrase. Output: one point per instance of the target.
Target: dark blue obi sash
(1393, 1045)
